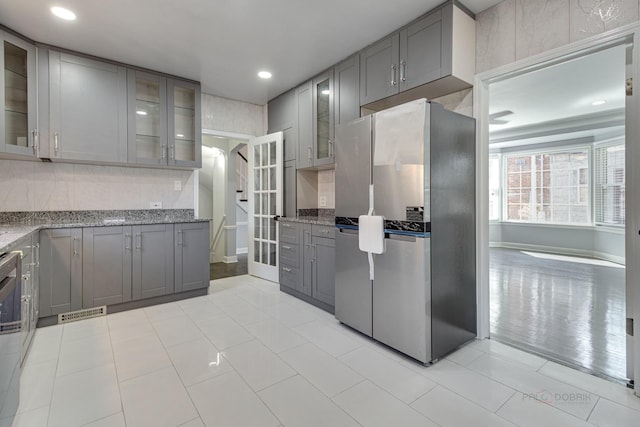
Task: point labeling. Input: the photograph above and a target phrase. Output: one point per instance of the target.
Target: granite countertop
(16, 225)
(317, 220)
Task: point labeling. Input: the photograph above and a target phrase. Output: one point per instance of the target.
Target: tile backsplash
(38, 186)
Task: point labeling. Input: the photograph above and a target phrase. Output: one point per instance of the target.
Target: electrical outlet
(323, 201)
(155, 205)
(177, 185)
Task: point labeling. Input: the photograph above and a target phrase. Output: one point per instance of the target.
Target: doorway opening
(557, 211)
(222, 197)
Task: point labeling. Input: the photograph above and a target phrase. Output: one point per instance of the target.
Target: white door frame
(481, 113)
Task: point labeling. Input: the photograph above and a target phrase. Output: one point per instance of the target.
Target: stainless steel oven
(10, 334)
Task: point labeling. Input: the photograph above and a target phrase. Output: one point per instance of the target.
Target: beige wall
(232, 116)
(37, 186)
(517, 29)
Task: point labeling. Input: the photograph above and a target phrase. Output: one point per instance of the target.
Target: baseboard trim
(230, 259)
(559, 251)
(242, 250)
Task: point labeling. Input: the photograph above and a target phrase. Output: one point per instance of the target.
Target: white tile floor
(249, 355)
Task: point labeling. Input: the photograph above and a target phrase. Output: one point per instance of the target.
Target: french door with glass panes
(265, 203)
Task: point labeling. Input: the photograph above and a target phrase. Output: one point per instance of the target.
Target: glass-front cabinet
(147, 118)
(323, 117)
(19, 133)
(184, 124)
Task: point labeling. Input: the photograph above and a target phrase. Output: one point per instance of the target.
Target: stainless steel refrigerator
(419, 160)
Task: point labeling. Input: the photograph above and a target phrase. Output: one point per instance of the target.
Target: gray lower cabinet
(106, 266)
(191, 256)
(60, 271)
(307, 262)
(153, 265)
(26, 299)
(87, 109)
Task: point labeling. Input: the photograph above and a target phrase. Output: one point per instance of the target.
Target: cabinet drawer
(289, 276)
(289, 232)
(289, 254)
(323, 231)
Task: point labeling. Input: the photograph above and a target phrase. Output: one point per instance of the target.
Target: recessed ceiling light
(264, 75)
(141, 113)
(63, 13)
(598, 102)
(326, 92)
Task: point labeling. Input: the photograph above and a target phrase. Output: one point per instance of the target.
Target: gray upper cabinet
(147, 124)
(425, 51)
(185, 129)
(379, 70)
(191, 256)
(152, 260)
(346, 87)
(87, 109)
(106, 265)
(282, 117)
(19, 135)
(323, 120)
(60, 271)
(433, 56)
(304, 122)
(289, 188)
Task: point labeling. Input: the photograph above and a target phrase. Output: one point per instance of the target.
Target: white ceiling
(221, 43)
(546, 100)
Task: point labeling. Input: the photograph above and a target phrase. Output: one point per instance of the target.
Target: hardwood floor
(569, 311)
(221, 270)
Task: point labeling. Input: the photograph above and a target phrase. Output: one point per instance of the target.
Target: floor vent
(72, 316)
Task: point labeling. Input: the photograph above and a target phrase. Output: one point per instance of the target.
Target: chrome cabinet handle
(127, 238)
(330, 148)
(180, 238)
(285, 225)
(393, 75)
(309, 150)
(172, 153)
(288, 270)
(56, 143)
(34, 134)
(324, 231)
(37, 247)
(139, 244)
(286, 247)
(403, 71)
(162, 152)
(75, 247)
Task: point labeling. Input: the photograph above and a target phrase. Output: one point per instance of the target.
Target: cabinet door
(60, 271)
(323, 120)
(379, 71)
(324, 267)
(289, 188)
(422, 57)
(306, 263)
(152, 261)
(347, 90)
(304, 123)
(88, 109)
(192, 269)
(18, 96)
(282, 117)
(147, 124)
(106, 266)
(185, 130)
(35, 278)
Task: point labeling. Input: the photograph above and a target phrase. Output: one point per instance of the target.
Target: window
(494, 189)
(609, 184)
(548, 187)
